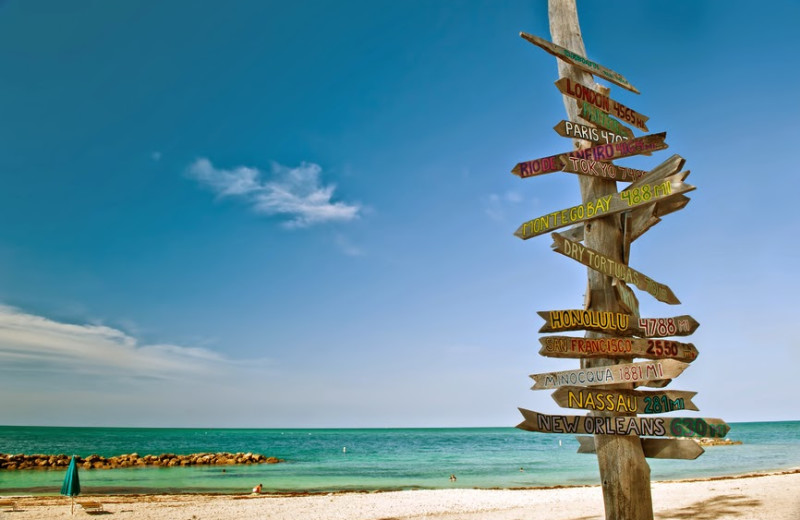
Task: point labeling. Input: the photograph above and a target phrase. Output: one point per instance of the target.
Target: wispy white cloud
(347, 246)
(30, 342)
(495, 204)
(296, 193)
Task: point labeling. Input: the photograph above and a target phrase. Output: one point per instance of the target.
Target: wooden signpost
(611, 347)
(616, 335)
(654, 447)
(609, 205)
(618, 425)
(580, 62)
(617, 323)
(610, 375)
(624, 401)
(599, 100)
(600, 152)
(609, 267)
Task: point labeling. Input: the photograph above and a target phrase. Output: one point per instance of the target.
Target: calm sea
(374, 459)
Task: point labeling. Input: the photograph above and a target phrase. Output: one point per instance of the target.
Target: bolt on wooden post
(600, 232)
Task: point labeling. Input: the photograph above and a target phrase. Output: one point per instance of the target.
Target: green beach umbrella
(72, 484)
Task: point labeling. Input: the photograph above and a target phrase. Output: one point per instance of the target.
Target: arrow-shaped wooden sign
(594, 115)
(592, 134)
(654, 447)
(616, 347)
(608, 205)
(610, 375)
(607, 266)
(624, 401)
(617, 323)
(600, 152)
(580, 62)
(642, 216)
(626, 298)
(619, 425)
(604, 170)
(583, 93)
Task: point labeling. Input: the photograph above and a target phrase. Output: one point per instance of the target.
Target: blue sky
(301, 214)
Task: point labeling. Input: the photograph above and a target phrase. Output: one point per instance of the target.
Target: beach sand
(751, 497)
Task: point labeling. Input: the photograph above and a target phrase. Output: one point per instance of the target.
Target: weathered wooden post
(603, 227)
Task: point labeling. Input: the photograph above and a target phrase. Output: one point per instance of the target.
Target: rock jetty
(21, 461)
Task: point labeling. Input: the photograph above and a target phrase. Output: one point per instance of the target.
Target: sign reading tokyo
(580, 61)
(657, 426)
(611, 375)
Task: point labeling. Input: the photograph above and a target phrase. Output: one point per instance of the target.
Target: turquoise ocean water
(375, 459)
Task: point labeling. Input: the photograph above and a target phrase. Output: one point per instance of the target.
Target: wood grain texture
(653, 447)
(624, 401)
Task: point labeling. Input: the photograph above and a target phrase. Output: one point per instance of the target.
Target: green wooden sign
(594, 115)
(580, 61)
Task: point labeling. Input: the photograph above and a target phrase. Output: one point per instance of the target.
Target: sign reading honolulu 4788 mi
(617, 323)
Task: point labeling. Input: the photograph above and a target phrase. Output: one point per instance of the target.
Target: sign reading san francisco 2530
(610, 347)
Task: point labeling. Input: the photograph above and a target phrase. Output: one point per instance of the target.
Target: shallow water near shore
(319, 460)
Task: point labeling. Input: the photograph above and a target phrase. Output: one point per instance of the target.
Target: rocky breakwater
(21, 461)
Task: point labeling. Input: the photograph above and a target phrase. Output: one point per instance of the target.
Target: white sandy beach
(752, 497)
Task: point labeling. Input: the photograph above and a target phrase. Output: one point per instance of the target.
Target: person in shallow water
(452, 478)
(257, 489)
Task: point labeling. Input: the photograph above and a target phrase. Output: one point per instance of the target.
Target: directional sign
(626, 298)
(613, 347)
(610, 375)
(604, 170)
(644, 218)
(604, 206)
(654, 447)
(658, 426)
(580, 319)
(589, 133)
(624, 401)
(607, 266)
(600, 152)
(580, 62)
(642, 215)
(617, 323)
(583, 93)
(596, 116)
